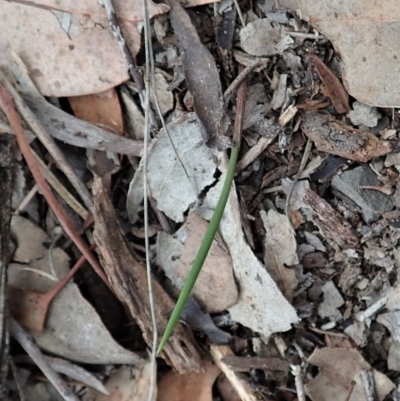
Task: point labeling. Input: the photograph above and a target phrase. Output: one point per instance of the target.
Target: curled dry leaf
(280, 235)
(338, 369)
(332, 136)
(75, 52)
(369, 66)
(190, 386)
(333, 88)
(202, 78)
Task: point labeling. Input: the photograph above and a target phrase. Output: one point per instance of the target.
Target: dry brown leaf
(102, 109)
(338, 368)
(202, 78)
(333, 87)
(226, 389)
(68, 46)
(191, 386)
(215, 289)
(334, 137)
(280, 235)
(365, 35)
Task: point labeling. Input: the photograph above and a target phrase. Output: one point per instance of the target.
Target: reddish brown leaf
(333, 87)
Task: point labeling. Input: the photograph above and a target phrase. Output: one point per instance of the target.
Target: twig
(28, 344)
(239, 11)
(243, 75)
(48, 143)
(368, 384)
(117, 32)
(17, 380)
(364, 315)
(149, 55)
(6, 104)
(298, 175)
(214, 223)
(298, 381)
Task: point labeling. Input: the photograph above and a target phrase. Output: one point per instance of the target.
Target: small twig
(298, 175)
(329, 333)
(6, 104)
(149, 55)
(368, 384)
(298, 381)
(367, 313)
(48, 142)
(17, 380)
(28, 344)
(239, 11)
(117, 32)
(243, 75)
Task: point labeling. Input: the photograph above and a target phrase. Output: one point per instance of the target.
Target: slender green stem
(203, 250)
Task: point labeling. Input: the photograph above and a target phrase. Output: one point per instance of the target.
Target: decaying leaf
(332, 136)
(190, 386)
(75, 52)
(338, 369)
(129, 383)
(73, 329)
(260, 37)
(215, 289)
(202, 78)
(280, 235)
(257, 288)
(129, 280)
(333, 88)
(168, 183)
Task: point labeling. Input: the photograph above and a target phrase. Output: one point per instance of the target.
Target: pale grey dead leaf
(337, 369)
(391, 320)
(257, 288)
(73, 329)
(164, 95)
(364, 115)
(215, 289)
(260, 37)
(129, 383)
(280, 235)
(74, 56)
(168, 183)
(333, 300)
(369, 66)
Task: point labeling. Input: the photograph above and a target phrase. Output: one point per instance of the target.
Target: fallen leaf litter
(289, 283)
